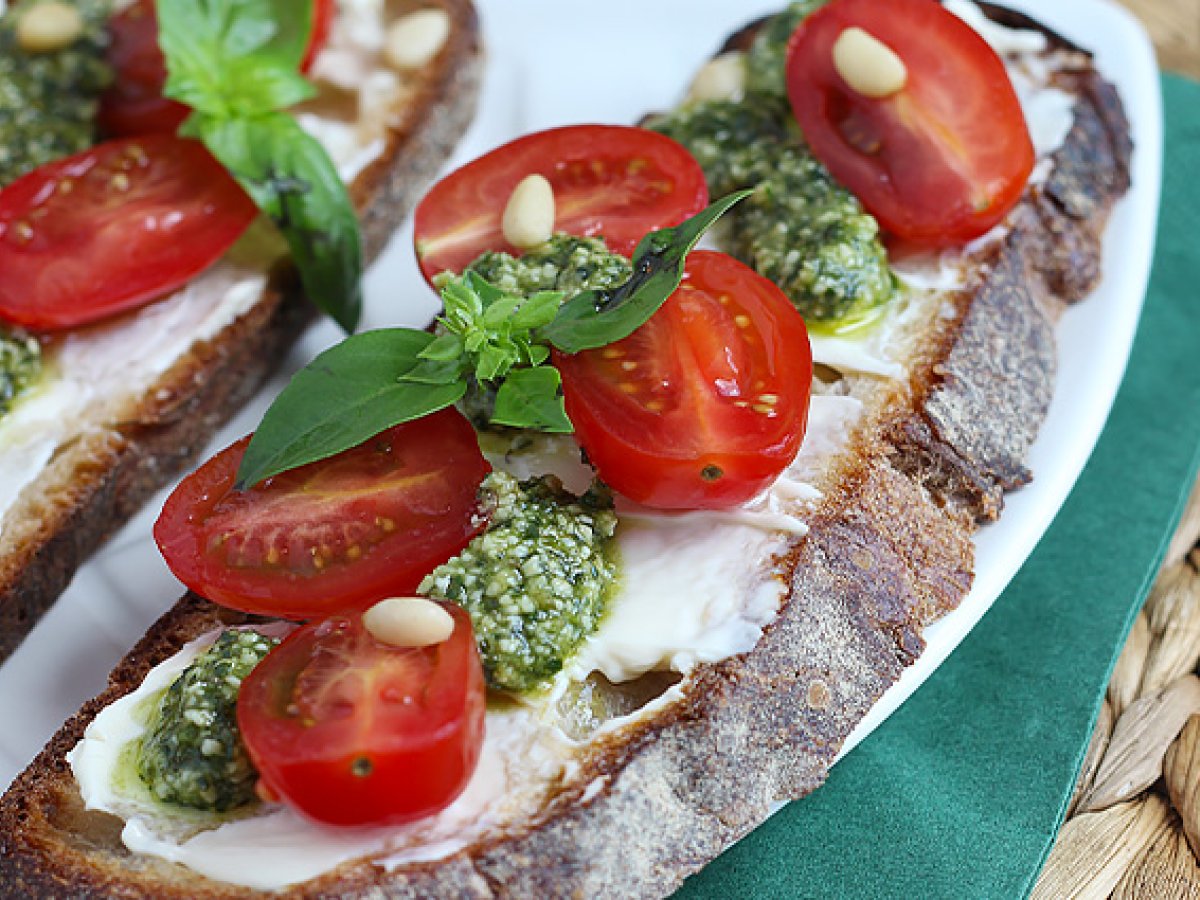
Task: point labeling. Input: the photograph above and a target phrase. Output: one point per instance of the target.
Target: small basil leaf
(434, 371)
(462, 306)
(500, 312)
(443, 348)
(293, 181)
(493, 363)
(345, 396)
(235, 57)
(537, 354)
(486, 291)
(597, 318)
(538, 310)
(530, 398)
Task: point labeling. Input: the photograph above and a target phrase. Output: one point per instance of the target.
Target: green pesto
(812, 237)
(564, 263)
(20, 366)
(735, 142)
(192, 754)
(536, 582)
(48, 101)
(800, 228)
(768, 53)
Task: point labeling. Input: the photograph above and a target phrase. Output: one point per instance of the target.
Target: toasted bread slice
(102, 466)
(663, 787)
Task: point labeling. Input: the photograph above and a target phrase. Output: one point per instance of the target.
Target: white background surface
(550, 63)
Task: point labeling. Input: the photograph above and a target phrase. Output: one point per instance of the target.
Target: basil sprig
(236, 64)
(372, 381)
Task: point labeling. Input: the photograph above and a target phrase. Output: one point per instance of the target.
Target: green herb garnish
(236, 63)
(370, 382)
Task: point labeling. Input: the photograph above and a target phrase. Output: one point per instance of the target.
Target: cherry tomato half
(323, 12)
(704, 405)
(331, 536)
(351, 731)
(609, 180)
(937, 163)
(113, 228)
(134, 104)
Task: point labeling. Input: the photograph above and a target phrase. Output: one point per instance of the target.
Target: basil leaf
(597, 318)
(345, 396)
(538, 310)
(530, 398)
(487, 292)
(235, 57)
(290, 177)
(500, 312)
(443, 348)
(493, 363)
(435, 371)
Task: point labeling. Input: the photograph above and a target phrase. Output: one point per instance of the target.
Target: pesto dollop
(48, 101)
(768, 53)
(801, 228)
(536, 582)
(811, 236)
(20, 366)
(192, 754)
(564, 263)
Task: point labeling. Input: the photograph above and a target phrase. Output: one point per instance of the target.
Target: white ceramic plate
(553, 63)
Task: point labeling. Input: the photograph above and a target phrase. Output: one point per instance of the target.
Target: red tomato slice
(351, 731)
(939, 162)
(323, 12)
(331, 536)
(135, 104)
(704, 405)
(609, 180)
(113, 228)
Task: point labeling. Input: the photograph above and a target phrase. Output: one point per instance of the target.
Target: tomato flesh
(351, 731)
(331, 536)
(704, 405)
(939, 162)
(609, 180)
(114, 228)
(134, 104)
(323, 11)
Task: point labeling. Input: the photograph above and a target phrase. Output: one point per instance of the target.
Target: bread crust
(96, 483)
(764, 726)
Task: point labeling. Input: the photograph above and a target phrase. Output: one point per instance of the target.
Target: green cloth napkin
(961, 792)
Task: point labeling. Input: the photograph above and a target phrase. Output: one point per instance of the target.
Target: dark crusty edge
(665, 796)
(95, 484)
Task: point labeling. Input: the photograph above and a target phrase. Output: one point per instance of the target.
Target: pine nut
(414, 40)
(868, 65)
(408, 622)
(48, 26)
(529, 215)
(722, 78)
